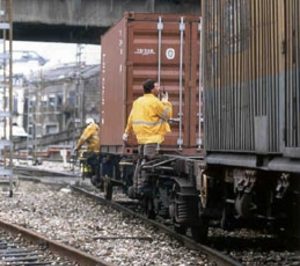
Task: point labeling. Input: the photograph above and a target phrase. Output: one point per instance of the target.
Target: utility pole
(27, 125)
(6, 26)
(38, 115)
(10, 73)
(78, 84)
(36, 97)
(4, 81)
(77, 111)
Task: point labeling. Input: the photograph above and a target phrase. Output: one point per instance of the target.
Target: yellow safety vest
(149, 119)
(90, 135)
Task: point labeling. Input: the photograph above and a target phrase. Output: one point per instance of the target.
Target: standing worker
(90, 136)
(148, 120)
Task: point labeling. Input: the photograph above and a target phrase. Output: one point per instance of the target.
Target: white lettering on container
(144, 51)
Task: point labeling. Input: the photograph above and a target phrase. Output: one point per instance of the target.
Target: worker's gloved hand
(165, 97)
(75, 150)
(125, 137)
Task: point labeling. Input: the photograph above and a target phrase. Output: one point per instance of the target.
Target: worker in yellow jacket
(90, 136)
(148, 120)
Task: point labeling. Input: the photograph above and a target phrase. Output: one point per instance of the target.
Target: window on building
(52, 101)
(72, 98)
(51, 129)
(44, 103)
(59, 100)
(30, 130)
(39, 130)
(31, 106)
(15, 105)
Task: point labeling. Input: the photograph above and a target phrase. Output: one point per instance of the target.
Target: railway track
(30, 171)
(226, 249)
(212, 255)
(18, 252)
(14, 253)
(246, 249)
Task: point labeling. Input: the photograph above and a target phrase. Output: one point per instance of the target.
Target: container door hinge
(160, 24)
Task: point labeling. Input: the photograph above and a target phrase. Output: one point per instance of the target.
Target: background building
(60, 99)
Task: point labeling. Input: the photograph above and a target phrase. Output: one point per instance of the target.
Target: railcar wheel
(227, 220)
(180, 229)
(149, 208)
(108, 188)
(96, 182)
(292, 224)
(200, 231)
(203, 193)
(101, 185)
(243, 205)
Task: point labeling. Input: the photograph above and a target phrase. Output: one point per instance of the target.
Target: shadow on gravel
(256, 244)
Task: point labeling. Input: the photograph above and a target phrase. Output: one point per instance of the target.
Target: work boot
(135, 193)
(96, 182)
(144, 189)
(131, 192)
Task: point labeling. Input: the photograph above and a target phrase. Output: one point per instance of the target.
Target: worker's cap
(89, 121)
(148, 85)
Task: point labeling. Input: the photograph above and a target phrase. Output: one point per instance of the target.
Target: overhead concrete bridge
(83, 21)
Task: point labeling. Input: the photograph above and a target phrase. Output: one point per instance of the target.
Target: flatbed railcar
(245, 56)
(164, 47)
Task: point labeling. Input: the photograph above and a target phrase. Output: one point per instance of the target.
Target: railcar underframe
(254, 194)
(194, 194)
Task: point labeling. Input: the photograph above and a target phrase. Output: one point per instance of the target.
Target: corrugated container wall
(292, 93)
(245, 75)
(164, 47)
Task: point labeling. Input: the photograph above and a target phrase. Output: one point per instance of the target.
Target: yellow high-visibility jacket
(149, 119)
(90, 135)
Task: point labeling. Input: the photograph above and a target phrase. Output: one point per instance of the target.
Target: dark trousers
(146, 152)
(93, 161)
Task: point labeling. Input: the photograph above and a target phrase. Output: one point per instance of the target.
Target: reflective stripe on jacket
(90, 135)
(149, 119)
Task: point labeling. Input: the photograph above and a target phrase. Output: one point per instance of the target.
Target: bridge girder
(83, 21)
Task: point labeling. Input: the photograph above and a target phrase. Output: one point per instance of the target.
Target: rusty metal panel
(243, 75)
(156, 46)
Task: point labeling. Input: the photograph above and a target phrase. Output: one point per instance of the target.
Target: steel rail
(27, 170)
(213, 255)
(71, 253)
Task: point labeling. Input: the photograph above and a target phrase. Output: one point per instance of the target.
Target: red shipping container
(164, 47)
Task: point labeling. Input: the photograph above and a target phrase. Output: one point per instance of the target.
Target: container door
(112, 83)
(292, 93)
(160, 50)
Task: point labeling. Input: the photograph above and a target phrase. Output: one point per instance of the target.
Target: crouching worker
(90, 136)
(148, 120)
